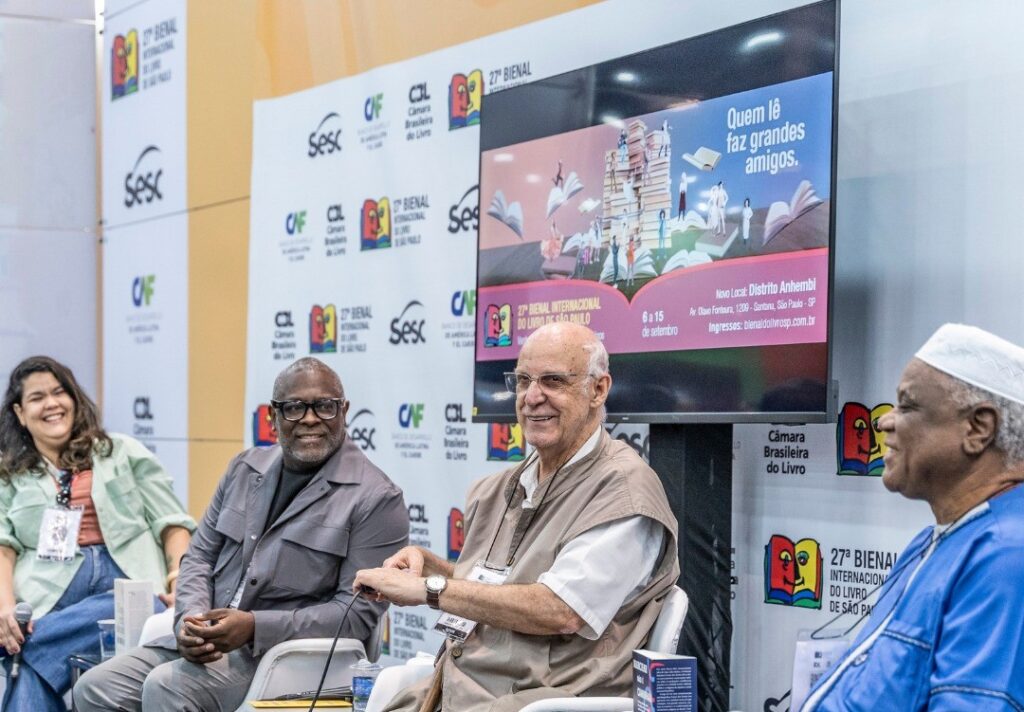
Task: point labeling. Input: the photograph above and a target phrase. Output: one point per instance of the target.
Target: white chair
(664, 638)
(291, 666)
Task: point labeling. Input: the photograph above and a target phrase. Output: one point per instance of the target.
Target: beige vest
(502, 670)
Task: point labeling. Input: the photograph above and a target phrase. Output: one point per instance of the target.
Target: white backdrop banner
(362, 252)
(145, 245)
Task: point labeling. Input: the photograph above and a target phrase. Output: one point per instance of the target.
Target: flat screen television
(679, 202)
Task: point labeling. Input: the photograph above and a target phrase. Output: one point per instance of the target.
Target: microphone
(22, 614)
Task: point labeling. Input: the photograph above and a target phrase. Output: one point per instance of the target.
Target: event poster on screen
(701, 226)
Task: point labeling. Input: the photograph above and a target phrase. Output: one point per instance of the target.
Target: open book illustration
(509, 213)
(561, 193)
(780, 214)
(703, 158)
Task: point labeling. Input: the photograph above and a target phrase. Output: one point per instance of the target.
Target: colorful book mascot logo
(124, 65)
(792, 572)
(263, 433)
(456, 533)
(376, 228)
(860, 446)
(464, 96)
(498, 325)
(385, 635)
(323, 330)
(505, 442)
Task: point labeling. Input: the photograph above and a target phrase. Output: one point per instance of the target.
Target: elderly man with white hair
(567, 558)
(947, 632)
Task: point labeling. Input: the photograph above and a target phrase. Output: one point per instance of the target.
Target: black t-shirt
(290, 484)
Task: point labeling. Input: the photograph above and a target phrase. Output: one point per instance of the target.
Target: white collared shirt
(604, 567)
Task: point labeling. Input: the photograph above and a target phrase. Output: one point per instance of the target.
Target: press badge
(458, 628)
(813, 658)
(58, 533)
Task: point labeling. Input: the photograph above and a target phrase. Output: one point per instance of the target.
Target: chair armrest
(393, 680)
(581, 704)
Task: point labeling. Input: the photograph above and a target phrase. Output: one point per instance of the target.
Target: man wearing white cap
(947, 630)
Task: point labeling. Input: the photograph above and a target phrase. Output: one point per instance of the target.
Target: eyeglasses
(323, 408)
(517, 382)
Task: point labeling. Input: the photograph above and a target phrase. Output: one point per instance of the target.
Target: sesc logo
(464, 303)
(124, 65)
(410, 415)
(464, 96)
(294, 223)
(465, 214)
(407, 330)
(498, 325)
(263, 432)
(361, 430)
(640, 442)
(323, 329)
(325, 139)
(456, 533)
(142, 182)
(142, 290)
(373, 106)
(375, 231)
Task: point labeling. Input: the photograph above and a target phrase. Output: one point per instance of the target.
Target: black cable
(330, 655)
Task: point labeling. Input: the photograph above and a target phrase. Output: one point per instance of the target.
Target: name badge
(58, 533)
(458, 628)
(813, 659)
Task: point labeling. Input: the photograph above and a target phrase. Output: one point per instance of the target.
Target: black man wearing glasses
(274, 558)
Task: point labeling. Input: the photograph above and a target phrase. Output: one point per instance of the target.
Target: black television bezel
(829, 413)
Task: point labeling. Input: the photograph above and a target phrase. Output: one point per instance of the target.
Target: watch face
(436, 583)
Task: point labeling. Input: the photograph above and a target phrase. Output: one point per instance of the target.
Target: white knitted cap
(977, 357)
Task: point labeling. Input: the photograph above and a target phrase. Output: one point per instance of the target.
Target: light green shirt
(134, 503)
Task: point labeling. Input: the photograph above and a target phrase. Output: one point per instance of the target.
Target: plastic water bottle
(364, 674)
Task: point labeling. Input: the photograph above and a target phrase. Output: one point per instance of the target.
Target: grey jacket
(298, 575)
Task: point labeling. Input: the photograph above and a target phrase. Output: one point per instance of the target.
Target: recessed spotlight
(503, 158)
(626, 77)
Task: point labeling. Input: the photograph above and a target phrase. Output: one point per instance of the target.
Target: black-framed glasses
(518, 382)
(323, 408)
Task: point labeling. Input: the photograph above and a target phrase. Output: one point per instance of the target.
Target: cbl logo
(142, 290)
(373, 106)
(464, 303)
(294, 223)
(141, 408)
(410, 415)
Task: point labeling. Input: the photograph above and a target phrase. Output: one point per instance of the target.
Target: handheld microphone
(22, 614)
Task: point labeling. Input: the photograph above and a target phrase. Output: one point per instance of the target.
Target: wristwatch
(435, 585)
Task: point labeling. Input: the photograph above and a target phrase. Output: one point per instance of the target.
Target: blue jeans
(68, 629)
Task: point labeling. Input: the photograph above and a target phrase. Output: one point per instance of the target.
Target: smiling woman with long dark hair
(57, 461)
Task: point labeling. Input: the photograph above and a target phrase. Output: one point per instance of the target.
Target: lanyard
(925, 551)
(63, 486)
(526, 516)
